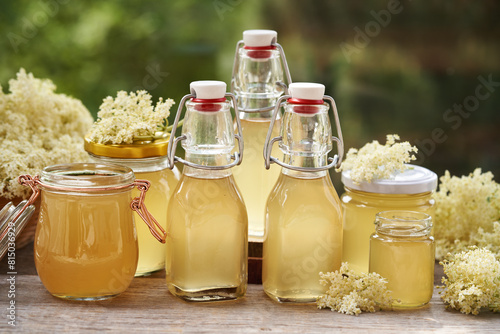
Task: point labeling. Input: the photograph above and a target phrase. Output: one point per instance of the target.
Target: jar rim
(414, 180)
(403, 223)
(89, 176)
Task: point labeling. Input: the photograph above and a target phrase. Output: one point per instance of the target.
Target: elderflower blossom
(128, 116)
(352, 293)
(39, 128)
(472, 281)
(376, 161)
(465, 212)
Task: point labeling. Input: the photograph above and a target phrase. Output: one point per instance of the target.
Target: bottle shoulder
(303, 190)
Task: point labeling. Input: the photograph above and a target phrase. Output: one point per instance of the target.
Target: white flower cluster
(465, 213)
(39, 128)
(350, 293)
(129, 116)
(472, 281)
(376, 161)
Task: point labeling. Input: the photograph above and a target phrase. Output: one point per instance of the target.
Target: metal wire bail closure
(172, 144)
(137, 203)
(284, 63)
(14, 219)
(268, 145)
(139, 206)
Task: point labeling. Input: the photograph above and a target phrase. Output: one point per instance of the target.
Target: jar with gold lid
(146, 156)
(411, 190)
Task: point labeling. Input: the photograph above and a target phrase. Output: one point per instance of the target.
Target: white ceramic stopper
(258, 38)
(208, 89)
(307, 91)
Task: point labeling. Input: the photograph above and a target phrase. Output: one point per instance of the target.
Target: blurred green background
(393, 67)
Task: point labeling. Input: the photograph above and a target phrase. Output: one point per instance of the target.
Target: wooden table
(148, 306)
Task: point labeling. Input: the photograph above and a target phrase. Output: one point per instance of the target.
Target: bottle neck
(254, 81)
(209, 137)
(306, 137)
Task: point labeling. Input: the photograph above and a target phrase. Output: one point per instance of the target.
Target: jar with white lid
(409, 190)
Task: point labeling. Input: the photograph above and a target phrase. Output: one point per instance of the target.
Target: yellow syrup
(407, 264)
(254, 180)
(207, 228)
(303, 237)
(85, 244)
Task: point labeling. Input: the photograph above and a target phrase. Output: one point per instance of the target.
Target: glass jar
(85, 241)
(147, 158)
(411, 190)
(402, 251)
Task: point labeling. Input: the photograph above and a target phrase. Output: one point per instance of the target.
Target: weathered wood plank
(147, 305)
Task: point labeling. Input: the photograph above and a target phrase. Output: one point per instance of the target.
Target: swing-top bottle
(206, 258)
(303, 234)
(259, 74)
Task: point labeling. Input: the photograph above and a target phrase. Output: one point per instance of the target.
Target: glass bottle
(258, 81)
(402, 251)
(410, 190)
(207, 226)
(147, 158)
(85, 242)
(303, 234)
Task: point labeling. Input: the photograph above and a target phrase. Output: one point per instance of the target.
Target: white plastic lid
(208, 89)
(259, 37)
(414, 180)
(307, 91)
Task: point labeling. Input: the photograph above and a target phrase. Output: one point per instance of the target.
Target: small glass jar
(402, 251)
(147, 158)
(85, 241)
(410, 190)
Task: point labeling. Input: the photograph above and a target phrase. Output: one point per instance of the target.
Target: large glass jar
(402, 251)
(411, 190)
(85, 241)
(147, 158)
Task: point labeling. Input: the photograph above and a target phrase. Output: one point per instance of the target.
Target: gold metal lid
(141, 148)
